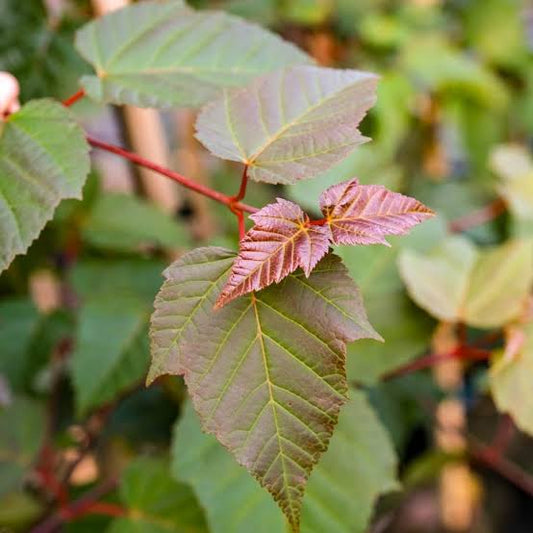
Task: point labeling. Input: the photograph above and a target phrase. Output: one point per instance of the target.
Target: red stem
(234, 203)
(485, 454)
(103, 508)
(186, 182)
(503, 436)
(242, 189)
(56, 488)
(427, 361)
(318, 222)
(479, 217)
(78, 508)
(74, 98)
(240, 222)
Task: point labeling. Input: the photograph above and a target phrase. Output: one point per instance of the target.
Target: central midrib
(272, 402)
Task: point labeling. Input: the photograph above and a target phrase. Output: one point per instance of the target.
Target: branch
(182, 180)
(486, 455)
(233, 202)
(242, 189)
(47, 456)
(79, 508)
(426, 361)
(479, 217)
(74, 98)
(235, 199)
(468, 353)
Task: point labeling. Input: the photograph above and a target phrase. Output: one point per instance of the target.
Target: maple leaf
(281, 241)
(364, 214)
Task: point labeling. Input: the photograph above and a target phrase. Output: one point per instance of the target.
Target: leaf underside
(266, 373)
(111, 354)
(510, 383)
(113, 223)
(457, 282)
(280, 242)
(291, 124)
(155, 502)
(364, 214)
(162, 54)
(44, 158)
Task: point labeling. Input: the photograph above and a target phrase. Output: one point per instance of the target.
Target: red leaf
(281, 241)
(364, 214)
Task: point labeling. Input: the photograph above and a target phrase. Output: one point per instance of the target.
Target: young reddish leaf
(281, 241)
(364, 214)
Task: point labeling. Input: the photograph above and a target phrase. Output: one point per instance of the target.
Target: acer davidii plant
(258, 332)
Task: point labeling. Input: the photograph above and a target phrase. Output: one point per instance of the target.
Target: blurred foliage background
(453, 127)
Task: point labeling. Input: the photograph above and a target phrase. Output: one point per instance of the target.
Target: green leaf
(266, 372)
(307, 12)
(454, 73)
(18, 511)
(44, 158)
(162, 54)
(514, 164)
(232, 499)
(124, 222)
(156, 503)
(510, 383)
(291, 124)
(489, 23)
(53, 330)
(28, 339)
(457, 282)
(359, 465)
(401, 405)
(21, 433)
(112, 352)
(18, 321)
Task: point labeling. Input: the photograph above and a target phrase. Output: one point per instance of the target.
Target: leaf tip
(224, 298)
(219, 304)
(377, 337)
(150, 378)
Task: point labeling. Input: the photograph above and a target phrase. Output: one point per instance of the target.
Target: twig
(242, 189)
(470, 353)
(486, 455)
(78, 508)
(504, 435)
(47, 457)
(240, 221)
(186, 182)
(479, 217)
(74, 98)
(426, 361)
(234, 202)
